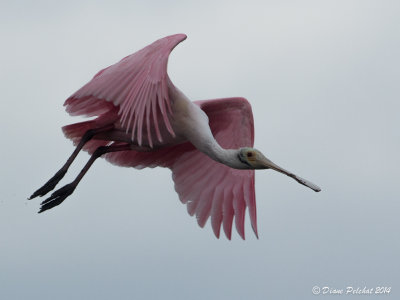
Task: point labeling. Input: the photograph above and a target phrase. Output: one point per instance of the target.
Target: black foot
(57, 197)
(49, 185)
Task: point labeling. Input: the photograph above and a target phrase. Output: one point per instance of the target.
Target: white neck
(191, 122)
(227, 157)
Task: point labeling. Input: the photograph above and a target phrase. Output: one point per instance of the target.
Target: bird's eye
(249, 154)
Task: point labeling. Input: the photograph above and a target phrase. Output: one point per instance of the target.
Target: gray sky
(323, 80)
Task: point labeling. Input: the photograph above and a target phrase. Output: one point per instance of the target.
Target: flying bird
(143, 120)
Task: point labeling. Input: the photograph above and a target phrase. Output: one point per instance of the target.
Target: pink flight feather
(137, 85)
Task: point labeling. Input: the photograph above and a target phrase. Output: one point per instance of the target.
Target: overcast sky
(323, 81)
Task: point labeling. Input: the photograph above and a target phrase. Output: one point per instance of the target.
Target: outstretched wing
(138, 85)
(208, 187)
(213, 189)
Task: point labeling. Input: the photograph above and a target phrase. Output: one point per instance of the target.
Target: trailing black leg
(53, 181)
(61, 194)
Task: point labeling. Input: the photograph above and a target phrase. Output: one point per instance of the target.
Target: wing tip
(216, 231)
(173, 40)
(178, 36)
(255, 232)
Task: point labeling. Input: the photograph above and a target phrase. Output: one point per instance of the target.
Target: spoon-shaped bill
(270, 165)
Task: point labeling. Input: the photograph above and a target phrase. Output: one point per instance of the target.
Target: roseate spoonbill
(143, 120)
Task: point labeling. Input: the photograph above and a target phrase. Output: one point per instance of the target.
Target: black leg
(51, 184)
(61, 194)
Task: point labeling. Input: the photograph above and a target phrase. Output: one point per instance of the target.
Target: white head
(251, 158)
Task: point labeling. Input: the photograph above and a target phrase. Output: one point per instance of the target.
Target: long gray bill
(305, 182)
(300, 180)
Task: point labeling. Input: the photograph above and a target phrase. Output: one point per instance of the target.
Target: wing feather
(227, 212)
(155, 117)
(138, 85)
(250, 199)
(239, 208)
(216, 210)
(203, 209)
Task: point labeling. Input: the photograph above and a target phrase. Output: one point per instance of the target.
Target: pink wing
(207, 187)
(138, 85)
